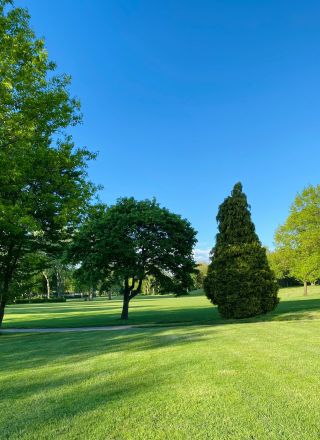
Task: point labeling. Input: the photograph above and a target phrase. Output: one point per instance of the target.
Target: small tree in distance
(239, 279)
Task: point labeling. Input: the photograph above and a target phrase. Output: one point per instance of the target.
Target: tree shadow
(68, 348)
(287, 310)
(58, 378)
(306, 308)
(57, 370)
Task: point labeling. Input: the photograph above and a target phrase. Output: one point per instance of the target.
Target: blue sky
(182, 99)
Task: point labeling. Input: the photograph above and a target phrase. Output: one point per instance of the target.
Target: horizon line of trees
(61, 281)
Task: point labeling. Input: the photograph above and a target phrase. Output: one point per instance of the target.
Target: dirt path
(66, 329)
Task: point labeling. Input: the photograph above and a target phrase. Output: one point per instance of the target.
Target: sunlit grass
(254, 380)
(229, 382)
(193, 309)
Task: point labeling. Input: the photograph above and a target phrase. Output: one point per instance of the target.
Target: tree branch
(132, 283)
(137, 291)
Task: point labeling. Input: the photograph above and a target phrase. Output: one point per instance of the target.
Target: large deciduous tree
(239, 279)
(43, 182)
(133, 240)
(299, 236)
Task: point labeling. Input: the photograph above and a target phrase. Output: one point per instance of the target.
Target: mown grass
(193, 309)
(252, 381)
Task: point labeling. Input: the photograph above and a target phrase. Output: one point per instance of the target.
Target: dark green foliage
(239, 279)
(131, 241)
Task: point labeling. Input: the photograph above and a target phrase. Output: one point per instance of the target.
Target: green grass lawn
(249, 381)
(193, 309)
(255, 380)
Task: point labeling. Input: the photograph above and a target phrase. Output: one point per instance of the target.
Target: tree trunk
(60, 285)
(10, 267)
(47, 284)
(109, 295)
(126, 299)
(57, 283)
(305, 288)
(129, 293)
(125, 308)
(2, 307)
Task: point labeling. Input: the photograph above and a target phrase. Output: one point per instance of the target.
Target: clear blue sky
(184, 98)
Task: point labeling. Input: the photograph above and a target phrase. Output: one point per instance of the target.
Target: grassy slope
(193, 309)
(250, 381)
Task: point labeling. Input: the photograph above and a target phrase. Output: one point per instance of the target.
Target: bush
(39, 300)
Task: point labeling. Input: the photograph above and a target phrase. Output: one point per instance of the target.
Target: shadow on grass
(58, 370)
(287, 310)
(65, 401)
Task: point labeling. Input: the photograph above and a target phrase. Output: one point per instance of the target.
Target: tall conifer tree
(239, 279)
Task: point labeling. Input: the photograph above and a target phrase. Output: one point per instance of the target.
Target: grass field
(255, 380)
(193, 309)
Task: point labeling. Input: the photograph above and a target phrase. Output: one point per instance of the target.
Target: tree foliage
(299, 237)
(43, 181)
(133, 240)
(239, 279)
(199, 276)
(279, 263)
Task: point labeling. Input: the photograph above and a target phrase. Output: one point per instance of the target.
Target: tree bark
(305, 288)
(128, 295)
(11, 265)
(2, 307)
(126, 300)
(125, 309)
(47, 284)
(60, 285)
(57, 283)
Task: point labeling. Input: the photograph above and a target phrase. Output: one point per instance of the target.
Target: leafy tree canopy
(132, 240)
(299, 236)
(43, 182)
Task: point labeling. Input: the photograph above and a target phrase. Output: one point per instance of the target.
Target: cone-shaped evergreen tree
(239, 279)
